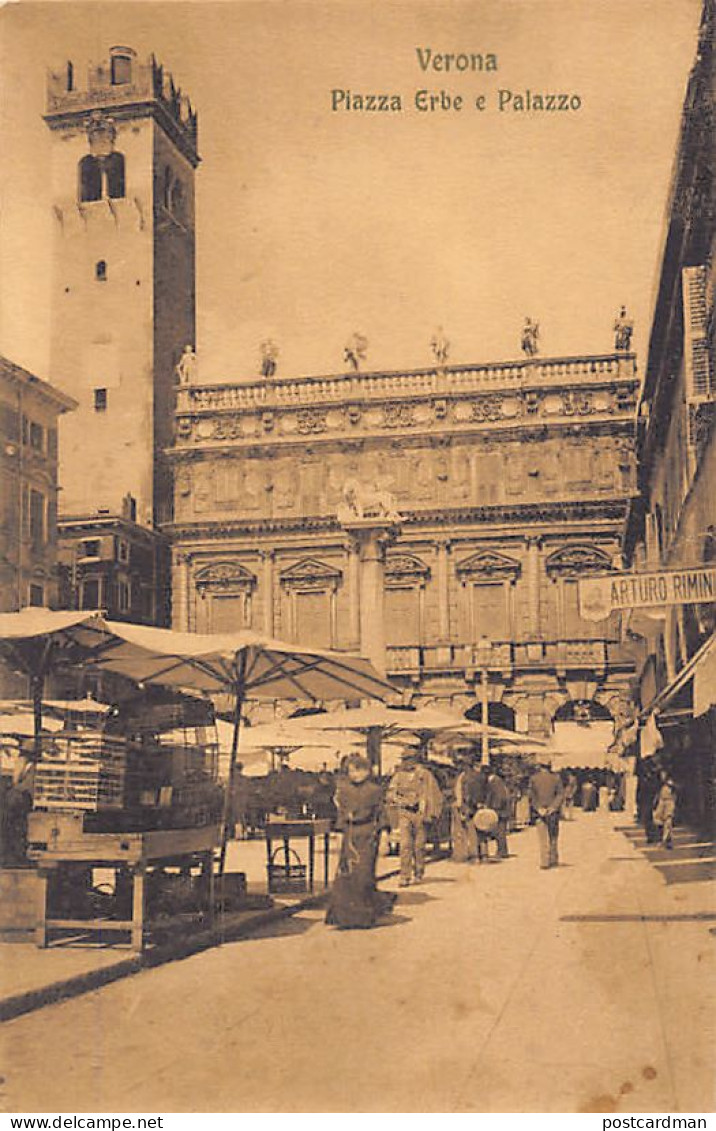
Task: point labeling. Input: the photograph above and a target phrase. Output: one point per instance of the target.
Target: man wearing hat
(416, 796)
(546, 796)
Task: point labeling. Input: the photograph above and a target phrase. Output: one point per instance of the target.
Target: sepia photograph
(358, 559)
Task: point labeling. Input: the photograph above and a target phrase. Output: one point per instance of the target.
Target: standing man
(415, 795)
(546, 795)
(498, 798)
(464, 834)
(570, 792)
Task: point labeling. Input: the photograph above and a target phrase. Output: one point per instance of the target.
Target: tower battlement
(129, 87)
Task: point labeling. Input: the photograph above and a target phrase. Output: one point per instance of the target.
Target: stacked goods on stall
(145, 765)
(82, 770)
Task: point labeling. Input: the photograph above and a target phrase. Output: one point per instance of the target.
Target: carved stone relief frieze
(486, 408)
(399, 414)
(226, 428)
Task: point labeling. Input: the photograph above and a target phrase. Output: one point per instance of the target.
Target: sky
(314, 223)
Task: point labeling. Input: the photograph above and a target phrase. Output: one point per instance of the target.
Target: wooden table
(278, 829)
(137, 852)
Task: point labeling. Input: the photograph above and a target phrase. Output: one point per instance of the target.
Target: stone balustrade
(503, 655)
(360, 387)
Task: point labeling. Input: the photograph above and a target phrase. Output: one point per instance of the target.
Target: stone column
(534, 619)
(353, 552)
(180, 610)
(372, 535)
(443, 548)
(267, 557)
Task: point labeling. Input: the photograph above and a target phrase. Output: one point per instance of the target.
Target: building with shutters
(123, 157)
(672, 521)
(29, 412)
(511, 480)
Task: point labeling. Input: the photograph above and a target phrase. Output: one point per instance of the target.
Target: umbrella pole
(240, 690)
(37, 684)
(373, 747)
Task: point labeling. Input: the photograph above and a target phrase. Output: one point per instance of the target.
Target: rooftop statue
(440, 346)
(530, 338)
(356, 351)
(186, 369)
(623, 330)
(269, 358)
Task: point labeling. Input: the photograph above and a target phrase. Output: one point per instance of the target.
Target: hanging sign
(609, 593)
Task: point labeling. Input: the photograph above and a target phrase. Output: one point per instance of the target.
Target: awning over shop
(700, 671)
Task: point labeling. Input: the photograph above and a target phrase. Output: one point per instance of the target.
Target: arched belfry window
(114, 171)
(90, 171)
(101, 177)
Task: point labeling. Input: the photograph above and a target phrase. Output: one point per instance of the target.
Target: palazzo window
(406, 577)
(38, 530)
(488, 581)
(226, 592)
(90, 593)
(310, 602)
(37, 594)
(564, 568)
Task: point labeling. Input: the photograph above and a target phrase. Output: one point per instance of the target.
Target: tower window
(101, 176)
(121, 69)
(90, 178)
(167, 196)
(114, 171)
(37, 436)
(100, 400)
(100, 270)
(70, 75)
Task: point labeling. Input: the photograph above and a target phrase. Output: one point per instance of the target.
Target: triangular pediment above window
(310, 569)
(405, 567)
(489, 563)
(224, 575)
(578, 559)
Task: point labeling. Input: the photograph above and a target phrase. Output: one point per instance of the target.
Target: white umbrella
(246, 663)
(23, 725)
(35, 641)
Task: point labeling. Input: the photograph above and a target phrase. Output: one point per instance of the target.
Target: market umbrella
(21, 724)
(246, 663)
(36, 641)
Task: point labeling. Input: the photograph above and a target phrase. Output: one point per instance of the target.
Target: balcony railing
(505, 656)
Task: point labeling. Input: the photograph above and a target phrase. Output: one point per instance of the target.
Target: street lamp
(483, 655)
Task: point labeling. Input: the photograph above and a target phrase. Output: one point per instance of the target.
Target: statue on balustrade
(530, 338)
(356, 351)
(623, 330)
(440, 346)
(187, 366)
(269, 358)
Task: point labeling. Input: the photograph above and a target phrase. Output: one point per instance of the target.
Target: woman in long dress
(355, 900)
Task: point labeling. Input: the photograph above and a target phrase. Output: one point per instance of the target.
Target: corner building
(672, 522)
(124, 151)
(512, 480)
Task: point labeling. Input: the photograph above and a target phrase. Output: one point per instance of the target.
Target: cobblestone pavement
(497, 987)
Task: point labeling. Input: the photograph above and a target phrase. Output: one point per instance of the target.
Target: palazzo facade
(510, 481)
